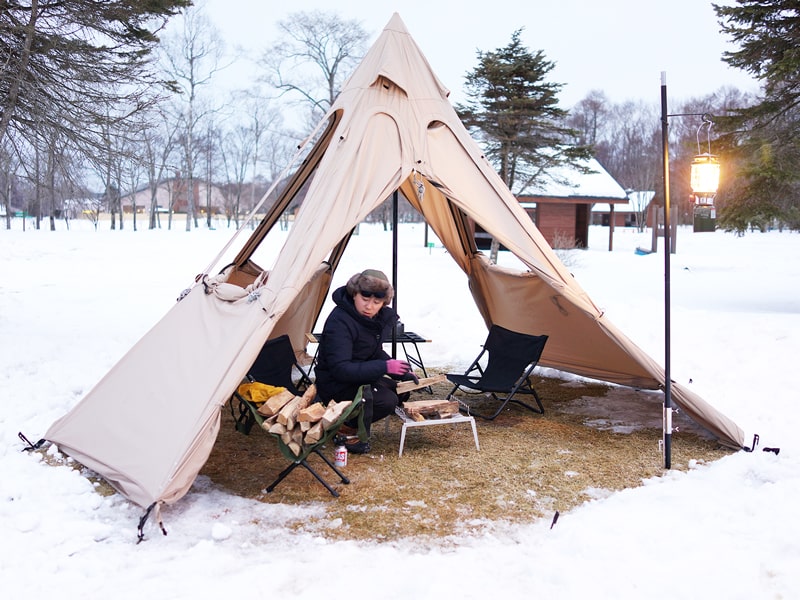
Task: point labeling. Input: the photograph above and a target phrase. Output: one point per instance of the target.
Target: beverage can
(340, 456)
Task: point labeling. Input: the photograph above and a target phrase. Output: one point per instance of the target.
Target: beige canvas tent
(148, 426)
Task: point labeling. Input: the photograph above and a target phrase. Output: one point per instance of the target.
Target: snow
(73, 302)
(568, 182)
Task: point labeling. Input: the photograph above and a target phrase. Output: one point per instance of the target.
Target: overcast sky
(618, 46)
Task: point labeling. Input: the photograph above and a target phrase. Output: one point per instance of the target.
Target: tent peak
(396, 24)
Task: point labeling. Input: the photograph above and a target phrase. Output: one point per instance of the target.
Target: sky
(73, 302)
(617, 46)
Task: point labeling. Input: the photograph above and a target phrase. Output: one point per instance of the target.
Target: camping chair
(355, 410)
(511, 357)
(274, 365)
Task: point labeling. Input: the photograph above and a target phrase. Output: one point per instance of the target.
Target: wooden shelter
(562, 208)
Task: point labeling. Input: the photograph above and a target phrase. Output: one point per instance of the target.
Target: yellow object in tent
(258, 393)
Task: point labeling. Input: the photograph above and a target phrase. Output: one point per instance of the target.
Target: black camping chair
(511, 357)
(274, 365)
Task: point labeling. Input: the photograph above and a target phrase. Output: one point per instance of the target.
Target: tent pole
(395, 198)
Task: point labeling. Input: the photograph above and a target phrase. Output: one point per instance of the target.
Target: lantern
(705, 175)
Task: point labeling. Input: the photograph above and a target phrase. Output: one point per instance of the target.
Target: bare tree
(62, 63)
(589, 117)
(193, 57)
(316, 52)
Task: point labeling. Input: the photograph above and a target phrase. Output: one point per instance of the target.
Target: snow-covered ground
(73, 302)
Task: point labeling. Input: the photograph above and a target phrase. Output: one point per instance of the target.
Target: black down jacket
(350, 350)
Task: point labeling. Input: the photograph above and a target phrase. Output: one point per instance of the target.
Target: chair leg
(333, 492)
(341, 475)
(538, 409)
(281, 476)
(308, 467)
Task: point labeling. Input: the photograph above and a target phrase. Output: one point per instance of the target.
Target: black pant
(378, 404)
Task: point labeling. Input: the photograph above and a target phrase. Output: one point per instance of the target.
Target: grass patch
(529, 466)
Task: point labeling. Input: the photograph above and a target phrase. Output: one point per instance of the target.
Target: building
(562, 207)
(631, 214)
(172, 193)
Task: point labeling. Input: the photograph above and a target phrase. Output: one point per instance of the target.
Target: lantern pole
(667, 416)
(706, 190)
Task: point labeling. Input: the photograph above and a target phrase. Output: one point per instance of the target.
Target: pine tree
(765, 143)
(67, 66)
(514, 111)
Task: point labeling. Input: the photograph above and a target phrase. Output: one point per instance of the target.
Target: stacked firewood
(420, 410)
(299, 421)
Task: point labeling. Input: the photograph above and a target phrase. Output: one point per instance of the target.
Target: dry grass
(529, 466)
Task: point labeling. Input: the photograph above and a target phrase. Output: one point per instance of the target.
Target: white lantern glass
(705, 174)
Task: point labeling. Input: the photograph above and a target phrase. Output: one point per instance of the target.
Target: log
(295, 448)
(275, 403)
(297, 435)
(288, 414)
(314, 434)
(312, 413)
(439, 409)
(334, 411)
(308, 396)
(410, 386)
(277, 428)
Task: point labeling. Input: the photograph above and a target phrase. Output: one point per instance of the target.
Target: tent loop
(418, 185)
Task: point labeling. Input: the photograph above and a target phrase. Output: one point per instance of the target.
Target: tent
(149, 425)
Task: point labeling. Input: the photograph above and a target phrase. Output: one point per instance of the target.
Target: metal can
(340, 456)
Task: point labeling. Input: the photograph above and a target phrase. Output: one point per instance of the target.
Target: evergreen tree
(68, 66)
(765, 143)
(514, 111)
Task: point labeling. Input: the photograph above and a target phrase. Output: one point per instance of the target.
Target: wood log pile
(297, 421)
(420, 410)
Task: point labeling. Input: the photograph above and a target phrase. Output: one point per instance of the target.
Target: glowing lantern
(705, 175)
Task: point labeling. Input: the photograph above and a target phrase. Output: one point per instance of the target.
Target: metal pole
(667, 420)
(395, 202)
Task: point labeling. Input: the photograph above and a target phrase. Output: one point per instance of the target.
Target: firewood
(308, 397)
(277, 428)
(303, 425)
(275, 403)
(312, 413)
(295, 448)
(334, 411)
(314, 434)
(288, 414)
(409, 386)
(297, 435)
(440, 409)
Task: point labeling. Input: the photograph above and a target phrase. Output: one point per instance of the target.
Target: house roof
(637, 202)
(567, 182)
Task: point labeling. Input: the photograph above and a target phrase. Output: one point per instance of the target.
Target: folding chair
(511, 357)
(274, 365)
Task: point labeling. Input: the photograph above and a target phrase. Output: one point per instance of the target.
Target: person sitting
(351, 352)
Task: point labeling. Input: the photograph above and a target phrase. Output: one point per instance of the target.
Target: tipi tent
(148, 426)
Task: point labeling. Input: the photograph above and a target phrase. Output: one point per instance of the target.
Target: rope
(275, 183)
